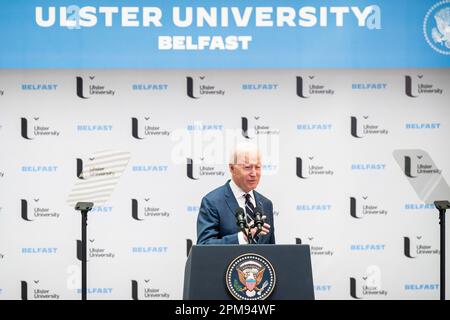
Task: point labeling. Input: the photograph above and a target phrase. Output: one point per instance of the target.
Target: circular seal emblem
(436, 27)
(250, 277)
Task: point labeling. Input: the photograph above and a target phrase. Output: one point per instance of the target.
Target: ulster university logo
(24, 209)
(363, 208)
(93, 89)
(190, 169)
(37, 210)
(37, 292)
(135, 209)
(135, 127)
(423, 174)
(197, 89)
(24, 127)
(80, 92)
(81, 174)
(79, 169)
(312, 88)
(316, 249)
(249, 132)
(415, 167)
(244, 125)
(436, 27)
(409, 86)
(368, 286)
(194, 171)
(250, 277)
(408, 167)
(36, 129)
(141, 210)
(414, 247)
(135, 289)
(300, 88)
(146, 291)
(305, 171)
(190, 87)
(299, 168)
(416, 86)
(365, 126)
(146, 129)
(407, 247)
(94, 251)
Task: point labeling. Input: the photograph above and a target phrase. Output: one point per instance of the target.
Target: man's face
(247, 172)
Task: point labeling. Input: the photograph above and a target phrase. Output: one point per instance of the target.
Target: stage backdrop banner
(348, 101)
(224, 34)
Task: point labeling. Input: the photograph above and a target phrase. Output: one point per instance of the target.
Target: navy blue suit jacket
(216, 221)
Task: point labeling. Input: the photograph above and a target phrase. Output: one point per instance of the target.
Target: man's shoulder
(262, 198)
(217, 193)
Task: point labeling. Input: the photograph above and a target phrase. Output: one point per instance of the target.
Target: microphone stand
(251, 239)
(442, 206)
(84, 207)
(248, 233)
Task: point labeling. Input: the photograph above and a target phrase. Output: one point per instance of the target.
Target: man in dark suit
(216, 222)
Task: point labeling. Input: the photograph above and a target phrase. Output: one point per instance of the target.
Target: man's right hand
(265, 229)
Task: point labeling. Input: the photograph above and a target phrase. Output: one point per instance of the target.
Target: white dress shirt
(239, 194)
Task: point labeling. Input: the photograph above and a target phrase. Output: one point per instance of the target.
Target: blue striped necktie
(249, 208)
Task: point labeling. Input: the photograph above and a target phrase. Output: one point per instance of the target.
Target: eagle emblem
(436, 27)
(250, 277)
(441, 34)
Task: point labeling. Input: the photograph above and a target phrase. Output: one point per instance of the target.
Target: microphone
(242, 223)
(240, 217)
(259, 222)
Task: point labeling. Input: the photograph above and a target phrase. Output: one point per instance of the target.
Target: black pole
(251, 240)
(442, 206)
(84, 208)
(84, 255)
(442, 252)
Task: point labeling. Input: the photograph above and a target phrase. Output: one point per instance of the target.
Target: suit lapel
(230, 199)
(257, 200)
